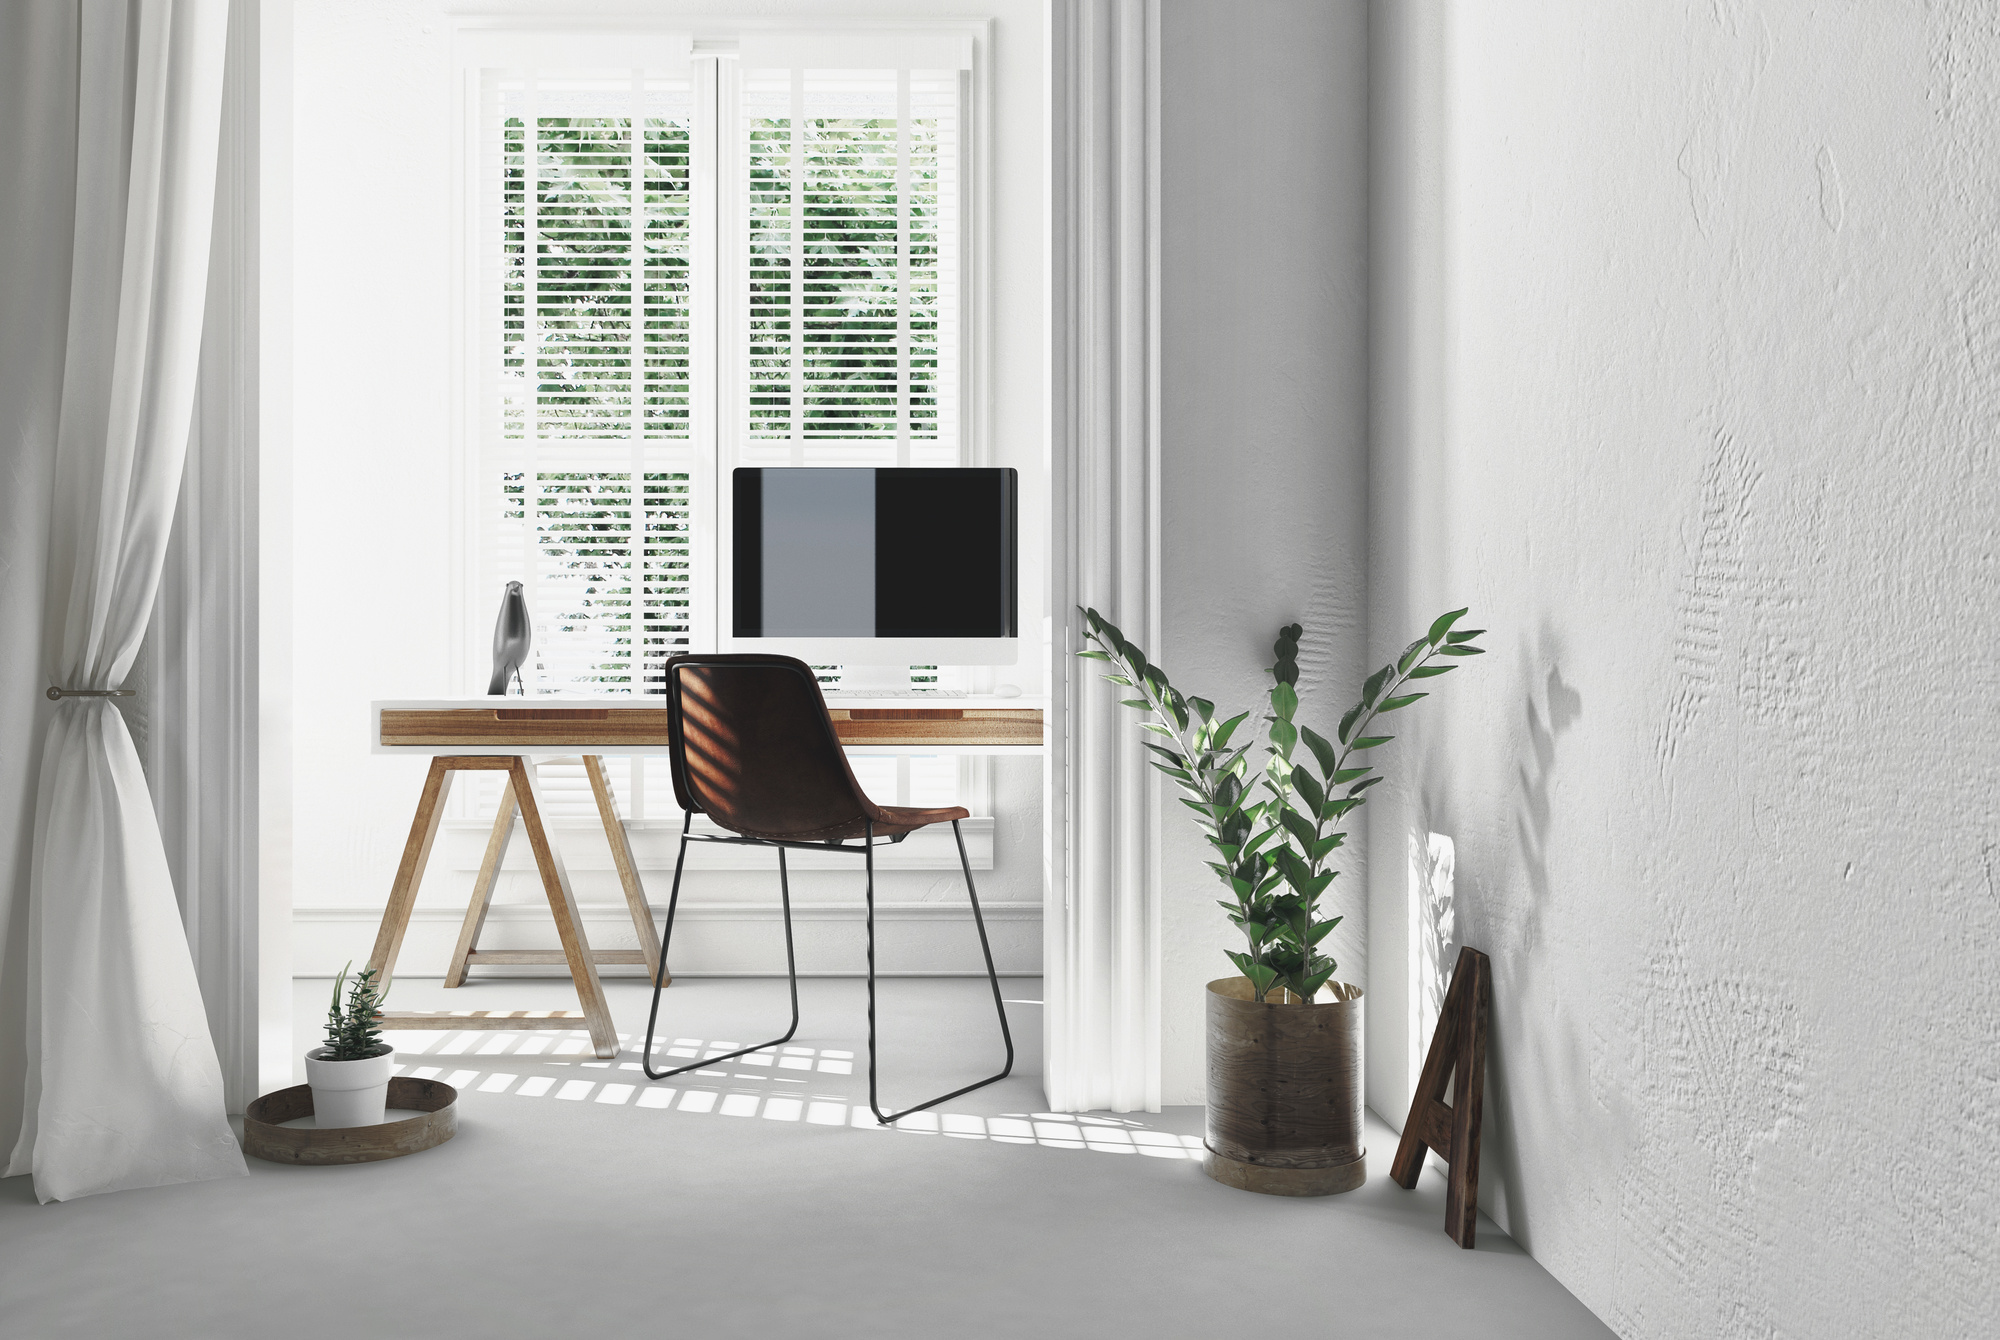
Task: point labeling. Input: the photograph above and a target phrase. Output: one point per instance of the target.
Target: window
(683, 262)
(688, 265)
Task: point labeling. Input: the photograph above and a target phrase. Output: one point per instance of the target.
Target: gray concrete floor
(579, 1200)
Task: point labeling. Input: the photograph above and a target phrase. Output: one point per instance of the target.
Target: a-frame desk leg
(416, 855)
(468, 954)
(482, 886)
(628, 869)
(555, 882)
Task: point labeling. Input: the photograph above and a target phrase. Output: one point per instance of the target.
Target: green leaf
(1231, 764)
(1374, 685)
(1371, 741)
(1347, 722)
(1171, 755)
(1359, 787)
(1465, 636)
(1348, 774)
(1134, 702)
(1176, 773)
(1309, 789)
(1443, 625)
(1295, 824)
(1284, 700)
(1465, 650)
(1284, 736)
(1093, 656)
(1203, 708)
(1426, 671)
(1335, 808)
(1410, 656)
(1394, 704)
(1120, 679)
(1325, 847)
(1156, 728)
(1286, 649)
(1227, 729)
(1322, 749)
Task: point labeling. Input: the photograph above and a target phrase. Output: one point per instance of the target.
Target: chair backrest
(754, 749)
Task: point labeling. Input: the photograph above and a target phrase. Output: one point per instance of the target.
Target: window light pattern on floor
(723, 1093)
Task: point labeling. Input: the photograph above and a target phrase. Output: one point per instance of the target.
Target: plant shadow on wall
(1284, 1085)
(1549, 709)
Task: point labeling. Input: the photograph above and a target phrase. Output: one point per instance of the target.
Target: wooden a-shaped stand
(521, 793)
(1458, 1047)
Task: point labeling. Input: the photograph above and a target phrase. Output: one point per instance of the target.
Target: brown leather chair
(752, 747)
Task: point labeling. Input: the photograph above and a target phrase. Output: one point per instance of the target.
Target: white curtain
(122, 1088)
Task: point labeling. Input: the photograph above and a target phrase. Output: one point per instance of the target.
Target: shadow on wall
(1560, 708)
(1507, 926)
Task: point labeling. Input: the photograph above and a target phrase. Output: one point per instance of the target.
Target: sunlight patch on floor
(726, 1094)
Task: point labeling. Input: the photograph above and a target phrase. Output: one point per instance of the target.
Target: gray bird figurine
(513, 633)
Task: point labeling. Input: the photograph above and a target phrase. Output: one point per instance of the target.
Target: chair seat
(895, 821)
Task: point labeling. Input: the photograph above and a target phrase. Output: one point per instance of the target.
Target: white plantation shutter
(813, 190)
(586, 455)
(851, 254)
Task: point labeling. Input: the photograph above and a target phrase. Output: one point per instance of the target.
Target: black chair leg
(992, 977)
(659, 979)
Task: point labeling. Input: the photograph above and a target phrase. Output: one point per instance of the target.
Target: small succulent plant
(355, 1033)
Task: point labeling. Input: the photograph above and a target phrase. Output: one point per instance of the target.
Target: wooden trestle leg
(468, 954)
(524, 793)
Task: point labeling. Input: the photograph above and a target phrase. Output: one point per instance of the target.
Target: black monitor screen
(874, 553)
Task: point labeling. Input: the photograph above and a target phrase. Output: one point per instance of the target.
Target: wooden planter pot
(1284, 1092)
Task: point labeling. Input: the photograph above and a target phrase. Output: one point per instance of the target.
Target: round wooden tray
(265, 1138)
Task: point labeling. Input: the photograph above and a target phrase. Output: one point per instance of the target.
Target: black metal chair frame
(866, 850)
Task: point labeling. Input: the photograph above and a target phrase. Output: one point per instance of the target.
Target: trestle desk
(504, 734)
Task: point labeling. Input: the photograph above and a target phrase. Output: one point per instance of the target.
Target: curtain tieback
(56, 695)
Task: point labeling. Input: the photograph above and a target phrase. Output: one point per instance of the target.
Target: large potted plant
(350, 1073)
(1284, 1038)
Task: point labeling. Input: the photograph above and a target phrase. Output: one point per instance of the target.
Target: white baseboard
(711, 939)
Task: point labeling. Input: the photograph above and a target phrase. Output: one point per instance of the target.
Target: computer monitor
(886, 567)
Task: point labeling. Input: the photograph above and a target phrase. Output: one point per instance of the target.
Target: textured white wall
(1688, 350)
(1264, 114)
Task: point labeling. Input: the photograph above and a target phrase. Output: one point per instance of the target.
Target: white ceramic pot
(349, 1093)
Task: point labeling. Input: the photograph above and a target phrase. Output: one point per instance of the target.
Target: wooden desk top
(638, 725)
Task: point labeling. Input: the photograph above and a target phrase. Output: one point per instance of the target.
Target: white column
(1102, 927)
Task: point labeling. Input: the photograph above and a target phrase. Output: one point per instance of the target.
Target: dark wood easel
(1458, 1047)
